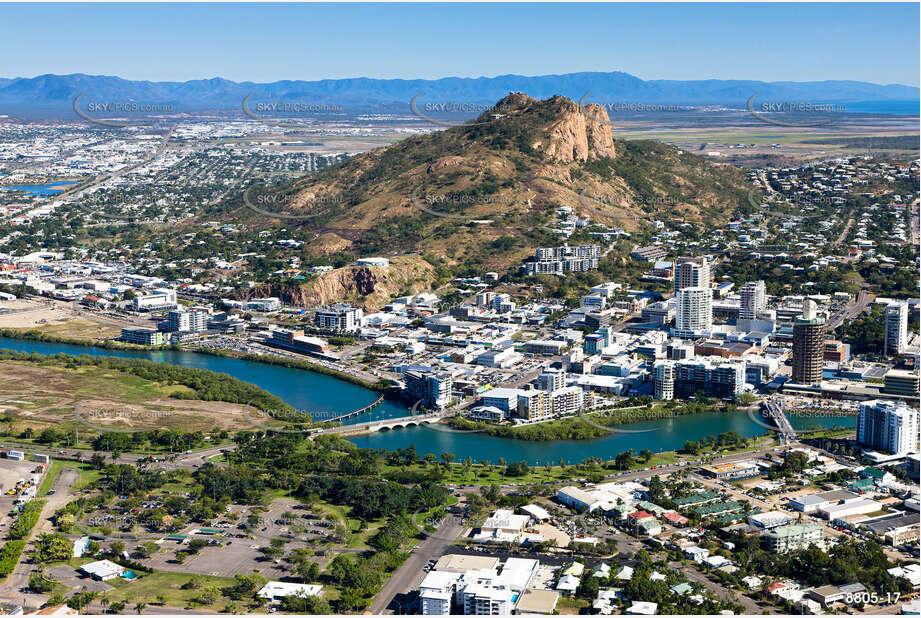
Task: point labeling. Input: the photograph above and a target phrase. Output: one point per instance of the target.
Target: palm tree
(139, 607)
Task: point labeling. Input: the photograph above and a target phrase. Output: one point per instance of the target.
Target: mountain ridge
(57, 92)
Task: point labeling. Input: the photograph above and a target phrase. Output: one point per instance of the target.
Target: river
(324, 395)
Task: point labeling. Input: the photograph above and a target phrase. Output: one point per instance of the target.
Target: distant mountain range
(53, 94)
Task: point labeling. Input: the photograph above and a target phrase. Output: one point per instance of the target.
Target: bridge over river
(772, 410)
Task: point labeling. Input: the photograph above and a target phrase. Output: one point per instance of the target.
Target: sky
(874, 42)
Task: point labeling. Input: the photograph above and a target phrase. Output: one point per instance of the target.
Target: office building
(692, 273)
(896, 329)
(193, 320)
(694, 311)
(157, 300)
(887, 426)
(808, 345)
(143, 336)
(901, 382)
(338, 317)
(433, 389)
(754, 299)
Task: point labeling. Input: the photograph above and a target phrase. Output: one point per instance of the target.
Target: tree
(447, 457)
(646, 455)
(139, 607)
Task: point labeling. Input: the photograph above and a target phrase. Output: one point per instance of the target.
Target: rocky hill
(485, 194)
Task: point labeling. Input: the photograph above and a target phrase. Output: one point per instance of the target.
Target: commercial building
(143, 336)
(545, 347)
(731, 470)
(264, 304)
(887, 426)
(103, 570)
(771, 519)
(338, 317)
(432, 388)
(693, 311)
(794, 536)
(902, 383)
(551, 380)
(192, 320)
(754, 300)
(277, 591)
(158, 299)
(896, 339)
(808, 345)
(810, 503)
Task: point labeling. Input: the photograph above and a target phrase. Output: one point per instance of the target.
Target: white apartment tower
(694, 310)
(754, 299)
(692, 273)
(896, 329)
(887, 426)
(664, 380)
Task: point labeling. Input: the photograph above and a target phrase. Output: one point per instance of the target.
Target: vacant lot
(91, 399)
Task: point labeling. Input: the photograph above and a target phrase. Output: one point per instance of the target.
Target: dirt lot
(54, 318)
(40, 397)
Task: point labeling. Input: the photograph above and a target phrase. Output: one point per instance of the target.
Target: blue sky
(266, 42)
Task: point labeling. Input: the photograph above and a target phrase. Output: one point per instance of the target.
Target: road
(392, 596)
(13, 587)
(751, 606)
(863, 300)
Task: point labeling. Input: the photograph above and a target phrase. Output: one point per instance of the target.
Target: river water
(324, 395)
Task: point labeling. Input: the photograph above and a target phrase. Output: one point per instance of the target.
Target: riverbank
(32, 334)
(590, 425)
(109, 344)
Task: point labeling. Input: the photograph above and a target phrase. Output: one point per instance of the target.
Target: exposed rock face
(579, 134)
(573, 132)
(370, 287)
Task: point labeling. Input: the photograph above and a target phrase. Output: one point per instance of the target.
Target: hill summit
(486, 193)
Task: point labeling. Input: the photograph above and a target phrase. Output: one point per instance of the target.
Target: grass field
(39, 397)
(165, 588)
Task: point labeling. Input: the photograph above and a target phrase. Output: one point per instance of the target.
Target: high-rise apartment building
(896, 329)
(694, 310)
(754, 299)
(808, 345)
(692, 272)
(887, 426)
